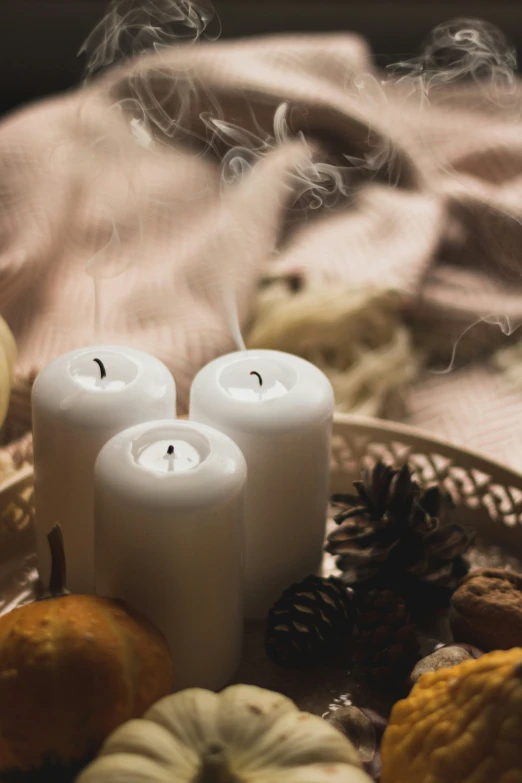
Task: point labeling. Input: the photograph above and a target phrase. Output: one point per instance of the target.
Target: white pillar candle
(79, 401)
(169, 540)
(278, 408)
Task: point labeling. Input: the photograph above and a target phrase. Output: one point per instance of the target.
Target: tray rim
(423, 438)
(361, 432)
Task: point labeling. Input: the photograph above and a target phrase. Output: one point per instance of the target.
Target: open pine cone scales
(393, 532)
(310, 621)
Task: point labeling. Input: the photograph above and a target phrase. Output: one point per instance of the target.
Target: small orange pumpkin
(72, 669)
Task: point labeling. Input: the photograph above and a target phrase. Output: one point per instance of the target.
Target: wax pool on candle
(278, 408)
(169, 540)
(81, 400)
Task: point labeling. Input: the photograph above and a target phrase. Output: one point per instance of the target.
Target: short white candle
(278, 408)
(79, 401)
(169, 500)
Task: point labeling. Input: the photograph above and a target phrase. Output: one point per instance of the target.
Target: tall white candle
(169, 540)
(79, 401)
(278, 408)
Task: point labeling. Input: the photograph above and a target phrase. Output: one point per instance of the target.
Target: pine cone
(310, 622)
(387, 648)
(392, 533)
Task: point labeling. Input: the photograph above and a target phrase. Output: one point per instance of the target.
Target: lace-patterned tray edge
(487, 494)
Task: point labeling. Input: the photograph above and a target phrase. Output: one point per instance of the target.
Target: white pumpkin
(242, 735)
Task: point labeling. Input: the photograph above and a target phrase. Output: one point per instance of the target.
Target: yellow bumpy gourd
(459, 725)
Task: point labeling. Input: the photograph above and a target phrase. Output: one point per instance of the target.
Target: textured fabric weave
(432, 208)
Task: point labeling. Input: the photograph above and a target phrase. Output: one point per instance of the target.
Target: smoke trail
(465, 63)
(503, 322)
(468, 64)
(161, 100)
(307, 186)
(132, 27)
(231, 308)
(316, 183)
(129, 30)
(104, 264)
(458, 51)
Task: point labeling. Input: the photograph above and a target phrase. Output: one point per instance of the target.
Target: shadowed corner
(52, 771)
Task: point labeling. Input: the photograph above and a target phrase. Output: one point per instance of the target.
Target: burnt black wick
(259, 377)
(170, 451)
(100, 364)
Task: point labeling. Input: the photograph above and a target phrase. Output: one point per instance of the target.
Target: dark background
(39, 39)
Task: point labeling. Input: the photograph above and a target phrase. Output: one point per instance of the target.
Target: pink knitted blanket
(172, 183)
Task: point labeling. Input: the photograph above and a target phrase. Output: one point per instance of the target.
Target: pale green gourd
(242, 735)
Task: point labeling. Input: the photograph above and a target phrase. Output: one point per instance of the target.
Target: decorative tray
(488, 497)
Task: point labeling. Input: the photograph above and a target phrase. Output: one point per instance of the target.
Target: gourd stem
(57, 582)
(214, 767)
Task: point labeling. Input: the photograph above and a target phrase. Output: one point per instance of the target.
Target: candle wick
(170, 450)
(258, 376)
(100, 364)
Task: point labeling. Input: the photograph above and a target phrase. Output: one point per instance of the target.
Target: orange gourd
(72, 669)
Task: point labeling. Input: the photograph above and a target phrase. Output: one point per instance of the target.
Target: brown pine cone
(387, 648)
(393, 533)
(310, 622)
